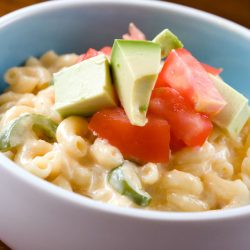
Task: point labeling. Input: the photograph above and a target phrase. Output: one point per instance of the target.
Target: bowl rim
(189, 11)
(82, 201)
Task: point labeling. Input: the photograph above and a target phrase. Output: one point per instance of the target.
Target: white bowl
(35, 214)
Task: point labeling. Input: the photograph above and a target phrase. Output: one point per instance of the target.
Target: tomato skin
(161, 82)
(89, 53)
(134, 33)
(175, 143)
(147, 144)
(107, 50)
(186, 125)
(92, 52)
(209, 69)
(184, 73)
(212, 70)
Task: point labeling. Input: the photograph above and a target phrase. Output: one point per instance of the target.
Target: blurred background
(235, 10)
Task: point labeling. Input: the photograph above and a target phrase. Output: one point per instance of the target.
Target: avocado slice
(235, 114)
(84, 88)
(167, 41)
(126, 182)
(14, 134)
(135, 66)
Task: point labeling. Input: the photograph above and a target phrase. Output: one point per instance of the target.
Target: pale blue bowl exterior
(77, 28)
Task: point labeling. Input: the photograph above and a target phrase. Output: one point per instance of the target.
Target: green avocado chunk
(84, 88)
(167, 41)
(135, 66)
(235, 114)
(14, 134)
(126, 182)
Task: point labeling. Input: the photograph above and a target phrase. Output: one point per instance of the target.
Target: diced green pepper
(13, 135)
(126, 182)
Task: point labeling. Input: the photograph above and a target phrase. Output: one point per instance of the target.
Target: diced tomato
(175, 143)
(184, 73)
(148, 144)
(187, 125)
(106, 51)
(211, 69)
(134, 33)
(161, 82)
(90, 53)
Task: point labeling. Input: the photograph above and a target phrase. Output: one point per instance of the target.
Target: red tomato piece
(184, 73)
(161, 82)
(90, 53)
(107, 50)
(186, 124)
(134, 33)
(175, 143)
(211, 69)
(148, 144)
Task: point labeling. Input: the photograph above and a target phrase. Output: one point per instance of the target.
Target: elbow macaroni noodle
(70, 135)
(214, 176)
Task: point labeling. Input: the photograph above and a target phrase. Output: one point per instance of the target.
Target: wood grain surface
(235, 10)
(7, 6)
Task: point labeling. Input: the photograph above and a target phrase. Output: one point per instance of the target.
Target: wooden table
(238, 11)
(235, 10)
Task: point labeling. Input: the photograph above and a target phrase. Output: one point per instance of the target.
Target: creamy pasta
(213, 176)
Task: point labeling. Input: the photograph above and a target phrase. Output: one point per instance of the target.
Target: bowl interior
(74, 26)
